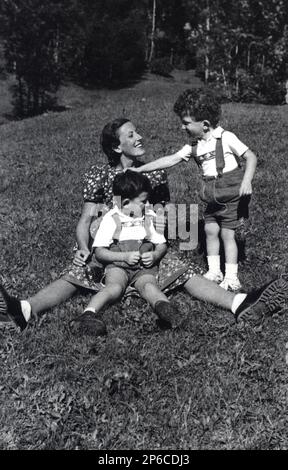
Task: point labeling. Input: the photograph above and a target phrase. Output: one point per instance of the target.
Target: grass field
(209, 384)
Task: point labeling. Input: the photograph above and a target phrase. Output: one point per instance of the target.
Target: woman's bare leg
(53, 294)
(203, 289)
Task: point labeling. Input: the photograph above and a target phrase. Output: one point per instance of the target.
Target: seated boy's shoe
(166, 314)
(10, 307)
(89, 324)
(265, 301)
(232, 284)
(214, 277)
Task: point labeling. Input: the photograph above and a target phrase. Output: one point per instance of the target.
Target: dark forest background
(239, 46)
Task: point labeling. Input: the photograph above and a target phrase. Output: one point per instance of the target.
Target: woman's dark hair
(110, 140)
(130, 184)
(201, 104)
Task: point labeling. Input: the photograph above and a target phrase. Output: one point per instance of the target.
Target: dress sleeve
(94, 184)
(160, 189)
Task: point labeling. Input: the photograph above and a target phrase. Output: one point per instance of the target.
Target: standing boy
(226, 186)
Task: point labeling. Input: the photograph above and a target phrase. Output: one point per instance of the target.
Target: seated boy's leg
(116, 281)
(91, 322)
(148, 288)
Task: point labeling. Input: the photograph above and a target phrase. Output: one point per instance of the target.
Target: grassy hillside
(208, 385)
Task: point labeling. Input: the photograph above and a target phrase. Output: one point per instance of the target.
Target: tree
(34, 34)
(153, 29)
(166, 34)
(113, 50)
(240, 46)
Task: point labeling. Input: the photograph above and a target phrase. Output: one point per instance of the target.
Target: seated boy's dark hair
(202, 104)
(109, 140)
(130, 184)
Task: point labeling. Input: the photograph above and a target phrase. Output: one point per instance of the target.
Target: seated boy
(131, 249)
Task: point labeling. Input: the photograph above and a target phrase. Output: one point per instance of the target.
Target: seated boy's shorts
(223, 203)
(133, 272)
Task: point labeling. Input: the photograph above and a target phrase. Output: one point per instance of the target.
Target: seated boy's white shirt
(206, 151)
(134, 230)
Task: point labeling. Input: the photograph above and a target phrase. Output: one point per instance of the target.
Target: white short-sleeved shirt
(206, 151)
(132, 228)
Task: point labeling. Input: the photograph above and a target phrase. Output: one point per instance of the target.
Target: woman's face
(130, 141)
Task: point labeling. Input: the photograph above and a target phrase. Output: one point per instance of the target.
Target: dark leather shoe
(265, 301)
(166, 314)
(11, 308)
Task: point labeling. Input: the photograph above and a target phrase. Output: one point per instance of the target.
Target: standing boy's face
(193, 128)
(130, 141)
(135, 207)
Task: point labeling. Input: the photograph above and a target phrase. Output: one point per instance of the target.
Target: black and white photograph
(143, 227)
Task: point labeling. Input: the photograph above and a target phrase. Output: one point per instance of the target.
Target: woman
(123, 146)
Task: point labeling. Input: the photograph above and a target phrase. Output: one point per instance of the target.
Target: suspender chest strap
(117, 220)
(220, 162)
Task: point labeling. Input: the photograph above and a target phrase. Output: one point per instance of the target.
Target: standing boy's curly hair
(201, 104)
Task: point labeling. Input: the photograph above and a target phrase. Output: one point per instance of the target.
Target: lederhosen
(220, 193)
(143, 245)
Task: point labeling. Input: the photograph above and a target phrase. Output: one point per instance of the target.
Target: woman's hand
(81, 257)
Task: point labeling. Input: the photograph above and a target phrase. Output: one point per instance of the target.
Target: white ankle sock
(89, 309)
(214, 263)
(238, 299)
(231, 271)
(26, 309)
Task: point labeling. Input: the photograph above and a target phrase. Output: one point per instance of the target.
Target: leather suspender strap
(116, 218)
(219, 153)
(220, 162)
(220, 156)
(194, 153)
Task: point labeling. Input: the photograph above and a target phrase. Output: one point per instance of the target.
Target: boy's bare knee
(212, 230)
(115, 291)
(227, 234)
(144, 285)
